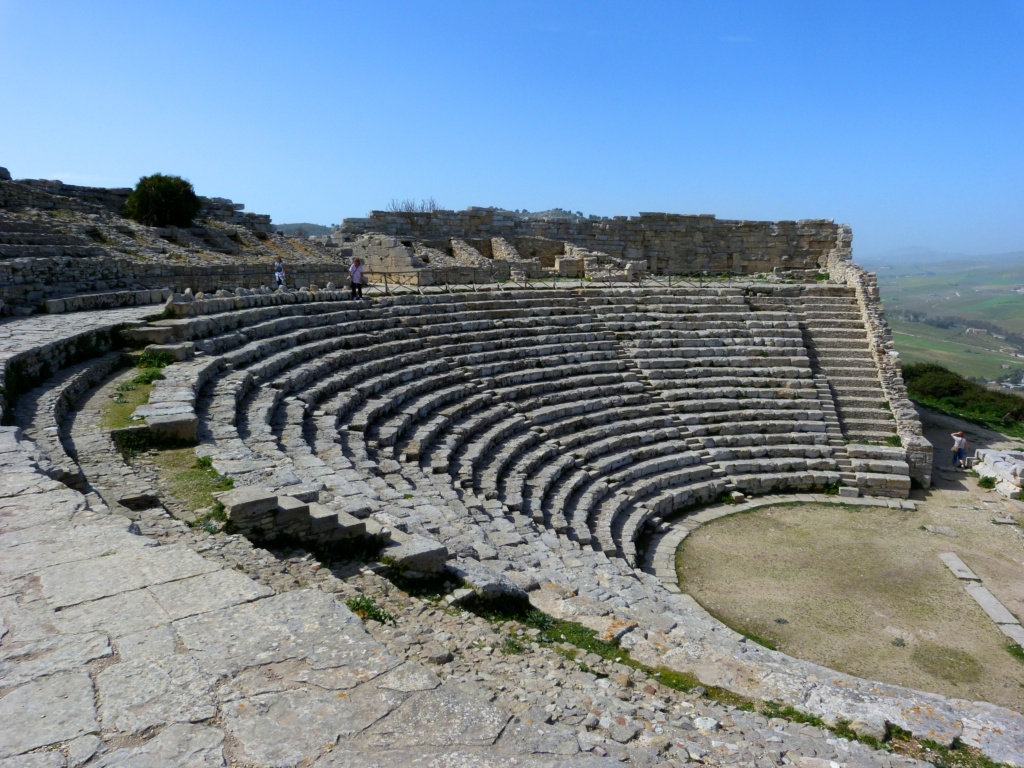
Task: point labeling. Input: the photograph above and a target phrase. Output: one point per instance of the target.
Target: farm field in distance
(973, 290)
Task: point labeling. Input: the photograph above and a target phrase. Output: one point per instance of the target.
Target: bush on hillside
(938, 387)
(160, 200)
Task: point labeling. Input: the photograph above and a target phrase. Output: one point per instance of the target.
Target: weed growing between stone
(564, 634)
(157, 359)
(987, 482)
(365, 608)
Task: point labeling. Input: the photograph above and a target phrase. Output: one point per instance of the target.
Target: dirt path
(863, 590)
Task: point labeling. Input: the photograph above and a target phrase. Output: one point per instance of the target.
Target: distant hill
(964, 313)
(293, 230)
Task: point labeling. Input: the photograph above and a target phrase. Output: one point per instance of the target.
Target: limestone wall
(667, 243)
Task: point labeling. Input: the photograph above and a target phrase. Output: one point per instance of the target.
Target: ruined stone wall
(908, 426)
(33, 281)
(46, 194)
(667, 243)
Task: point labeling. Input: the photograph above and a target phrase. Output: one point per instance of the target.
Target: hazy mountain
(916, 259)
(311, 229)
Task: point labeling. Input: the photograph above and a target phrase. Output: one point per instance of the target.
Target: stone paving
(143, 642)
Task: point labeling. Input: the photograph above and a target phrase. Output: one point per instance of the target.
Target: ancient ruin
(525, 410)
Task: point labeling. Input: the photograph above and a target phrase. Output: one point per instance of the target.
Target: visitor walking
(959, 450)
(355, 273)
(279, 272)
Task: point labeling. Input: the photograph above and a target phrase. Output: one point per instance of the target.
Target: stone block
(153, 334)
(417, 553)
(245, 504)
(290, 511)
(322, 519)
(173, 427)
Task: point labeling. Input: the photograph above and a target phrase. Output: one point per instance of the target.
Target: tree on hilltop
(160, 201)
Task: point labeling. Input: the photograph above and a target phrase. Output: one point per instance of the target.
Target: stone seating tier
(390, 398)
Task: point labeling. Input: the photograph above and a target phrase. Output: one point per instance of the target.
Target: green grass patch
(1016, 651)
(987, 482)
(190, 480)
(129, 395)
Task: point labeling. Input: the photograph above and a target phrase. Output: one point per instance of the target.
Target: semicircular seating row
(590, 414)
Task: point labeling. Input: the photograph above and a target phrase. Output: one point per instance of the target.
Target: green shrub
(987, 482)
(160, 200)
(937, 387)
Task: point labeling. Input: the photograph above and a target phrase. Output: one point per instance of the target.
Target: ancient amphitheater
(524, 409)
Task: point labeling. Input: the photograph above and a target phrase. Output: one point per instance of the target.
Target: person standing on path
(959, 450)
(278, 271)
(355, 273)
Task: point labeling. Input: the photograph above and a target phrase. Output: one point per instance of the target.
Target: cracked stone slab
(32, 549)
(196, 746)
(207, 592)
(35, 760)
(458, 758)
(121, 614)
(22, 662)
(123, 571)
(282, 729)
(34, 506)
(453, 714)
(46, 711)
(137, 695)
(303, 624)
(147, 644)
(525, 737)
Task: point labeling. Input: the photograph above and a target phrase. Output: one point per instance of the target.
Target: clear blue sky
(903, 119)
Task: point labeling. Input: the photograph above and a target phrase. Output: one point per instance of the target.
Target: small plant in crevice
(894, 440)
(155, 359)
(512, 646)
(367, 609)
(987, 482)
(832, 489)
(148, 376)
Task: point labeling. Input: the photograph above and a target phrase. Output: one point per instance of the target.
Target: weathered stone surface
(127, 612)
(179, 744)
(135, 696)
(417, 553)
(21, 662)
(207, 592)
(458, 758)
(281, 730)
(35, 760)
(52, 709)
(305, 624)
(152, 643)
(130, 568)
(988, 602)
(958, 567)
(451, 715)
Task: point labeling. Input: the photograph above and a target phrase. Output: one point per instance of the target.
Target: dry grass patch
(861, 590)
